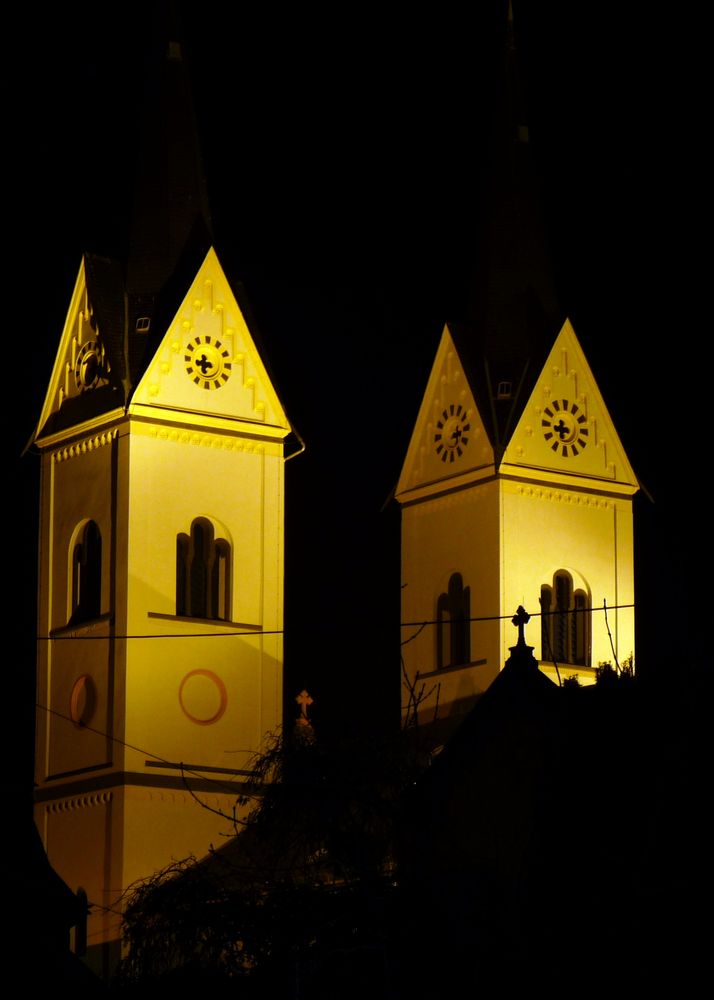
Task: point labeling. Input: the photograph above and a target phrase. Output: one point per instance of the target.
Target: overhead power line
(278, 631)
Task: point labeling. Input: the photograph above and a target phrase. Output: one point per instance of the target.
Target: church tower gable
(449, 445)
(207, 366)
(83, 383)
(565, 431)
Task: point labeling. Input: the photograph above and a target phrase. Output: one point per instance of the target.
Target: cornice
(81, 447)
(93, 430)
(537, 483)
(234, 441)
(87, 801)
(169, 416)
(99, 789)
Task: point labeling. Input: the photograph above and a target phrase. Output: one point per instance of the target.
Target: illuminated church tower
(162, 443)
(515, 489)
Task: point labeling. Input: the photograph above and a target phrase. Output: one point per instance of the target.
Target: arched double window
(565, 621)
(203, 573)
(453, 624)
(86, 575)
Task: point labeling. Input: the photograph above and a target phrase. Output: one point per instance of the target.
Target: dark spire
(171, 225)
(514, 315)
(170, 195)
(515, 268)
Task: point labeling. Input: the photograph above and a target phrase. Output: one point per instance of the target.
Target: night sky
(343, 152)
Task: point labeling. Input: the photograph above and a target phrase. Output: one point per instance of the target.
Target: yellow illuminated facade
(539, 515)
(161, 589)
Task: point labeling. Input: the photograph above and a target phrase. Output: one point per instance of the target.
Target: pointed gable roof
(131, 303)
(514, 321)
(449, 394)
(564, 426)
(209, 332)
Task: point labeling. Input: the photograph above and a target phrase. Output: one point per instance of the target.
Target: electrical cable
(261, 632)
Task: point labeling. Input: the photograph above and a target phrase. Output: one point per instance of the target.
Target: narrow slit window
(86, 575)
(453, 629)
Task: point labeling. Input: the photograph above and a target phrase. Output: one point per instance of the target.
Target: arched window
(203, 564)
(565, 622)
(86, 575)
(453, 628)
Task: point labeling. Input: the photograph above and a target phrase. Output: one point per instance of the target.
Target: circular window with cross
(208, 362)
(564, 427)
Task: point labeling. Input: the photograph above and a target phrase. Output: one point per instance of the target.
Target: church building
(515, 489)
(162, 442)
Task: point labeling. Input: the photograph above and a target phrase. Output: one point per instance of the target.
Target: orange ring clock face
(207, 362)
(565, 427)
(82, 700)
(452, 433)
(203, 697)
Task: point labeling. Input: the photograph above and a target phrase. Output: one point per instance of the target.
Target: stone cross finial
(520, 620)
(302, 729)
(304, 701)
